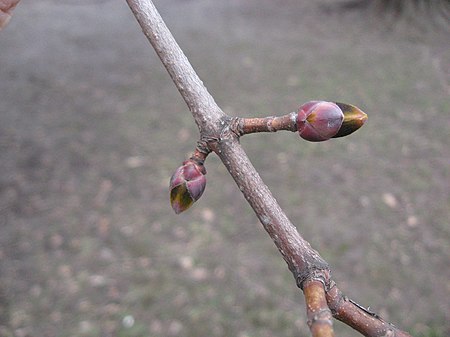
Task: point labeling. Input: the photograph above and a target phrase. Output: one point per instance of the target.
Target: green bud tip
(354, 118)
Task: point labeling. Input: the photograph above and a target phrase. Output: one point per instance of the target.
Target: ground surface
(91, 129)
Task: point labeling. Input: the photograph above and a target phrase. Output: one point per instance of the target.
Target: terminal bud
(319, 120)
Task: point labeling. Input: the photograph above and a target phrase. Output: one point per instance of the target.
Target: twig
(320, 319)
(311, 272)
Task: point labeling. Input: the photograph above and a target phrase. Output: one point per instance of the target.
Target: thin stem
(204, 109)
(199, 155)
(359, 318)
(267, 124)
(302, 260)
(320, 319)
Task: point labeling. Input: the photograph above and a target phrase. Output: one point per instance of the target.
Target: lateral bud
(187, 185)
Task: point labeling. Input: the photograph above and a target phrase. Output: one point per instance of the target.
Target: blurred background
(91, 129)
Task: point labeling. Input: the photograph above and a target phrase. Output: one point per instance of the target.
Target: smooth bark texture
(218, 133)
(359, 318)
(267, 124)
(319, 315)
(204, 109)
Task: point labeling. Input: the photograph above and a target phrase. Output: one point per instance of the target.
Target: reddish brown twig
(267, 124)
(359, 318)
(320, 319)
(218, 133)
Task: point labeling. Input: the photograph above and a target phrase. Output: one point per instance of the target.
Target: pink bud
(187, 185)
(319, 120)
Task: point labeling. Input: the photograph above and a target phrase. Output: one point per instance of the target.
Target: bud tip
(354, 119)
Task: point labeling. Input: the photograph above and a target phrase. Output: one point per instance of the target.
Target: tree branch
(204, 109)
(218, 134)
(214, 125)
(358, 317)
(319, 315)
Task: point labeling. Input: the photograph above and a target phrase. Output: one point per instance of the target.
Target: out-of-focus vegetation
(91, 128)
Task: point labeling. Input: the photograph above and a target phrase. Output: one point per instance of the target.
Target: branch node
(320, 273)
(235, 126)
(270, 127)
(203, 145)
(322, 317)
